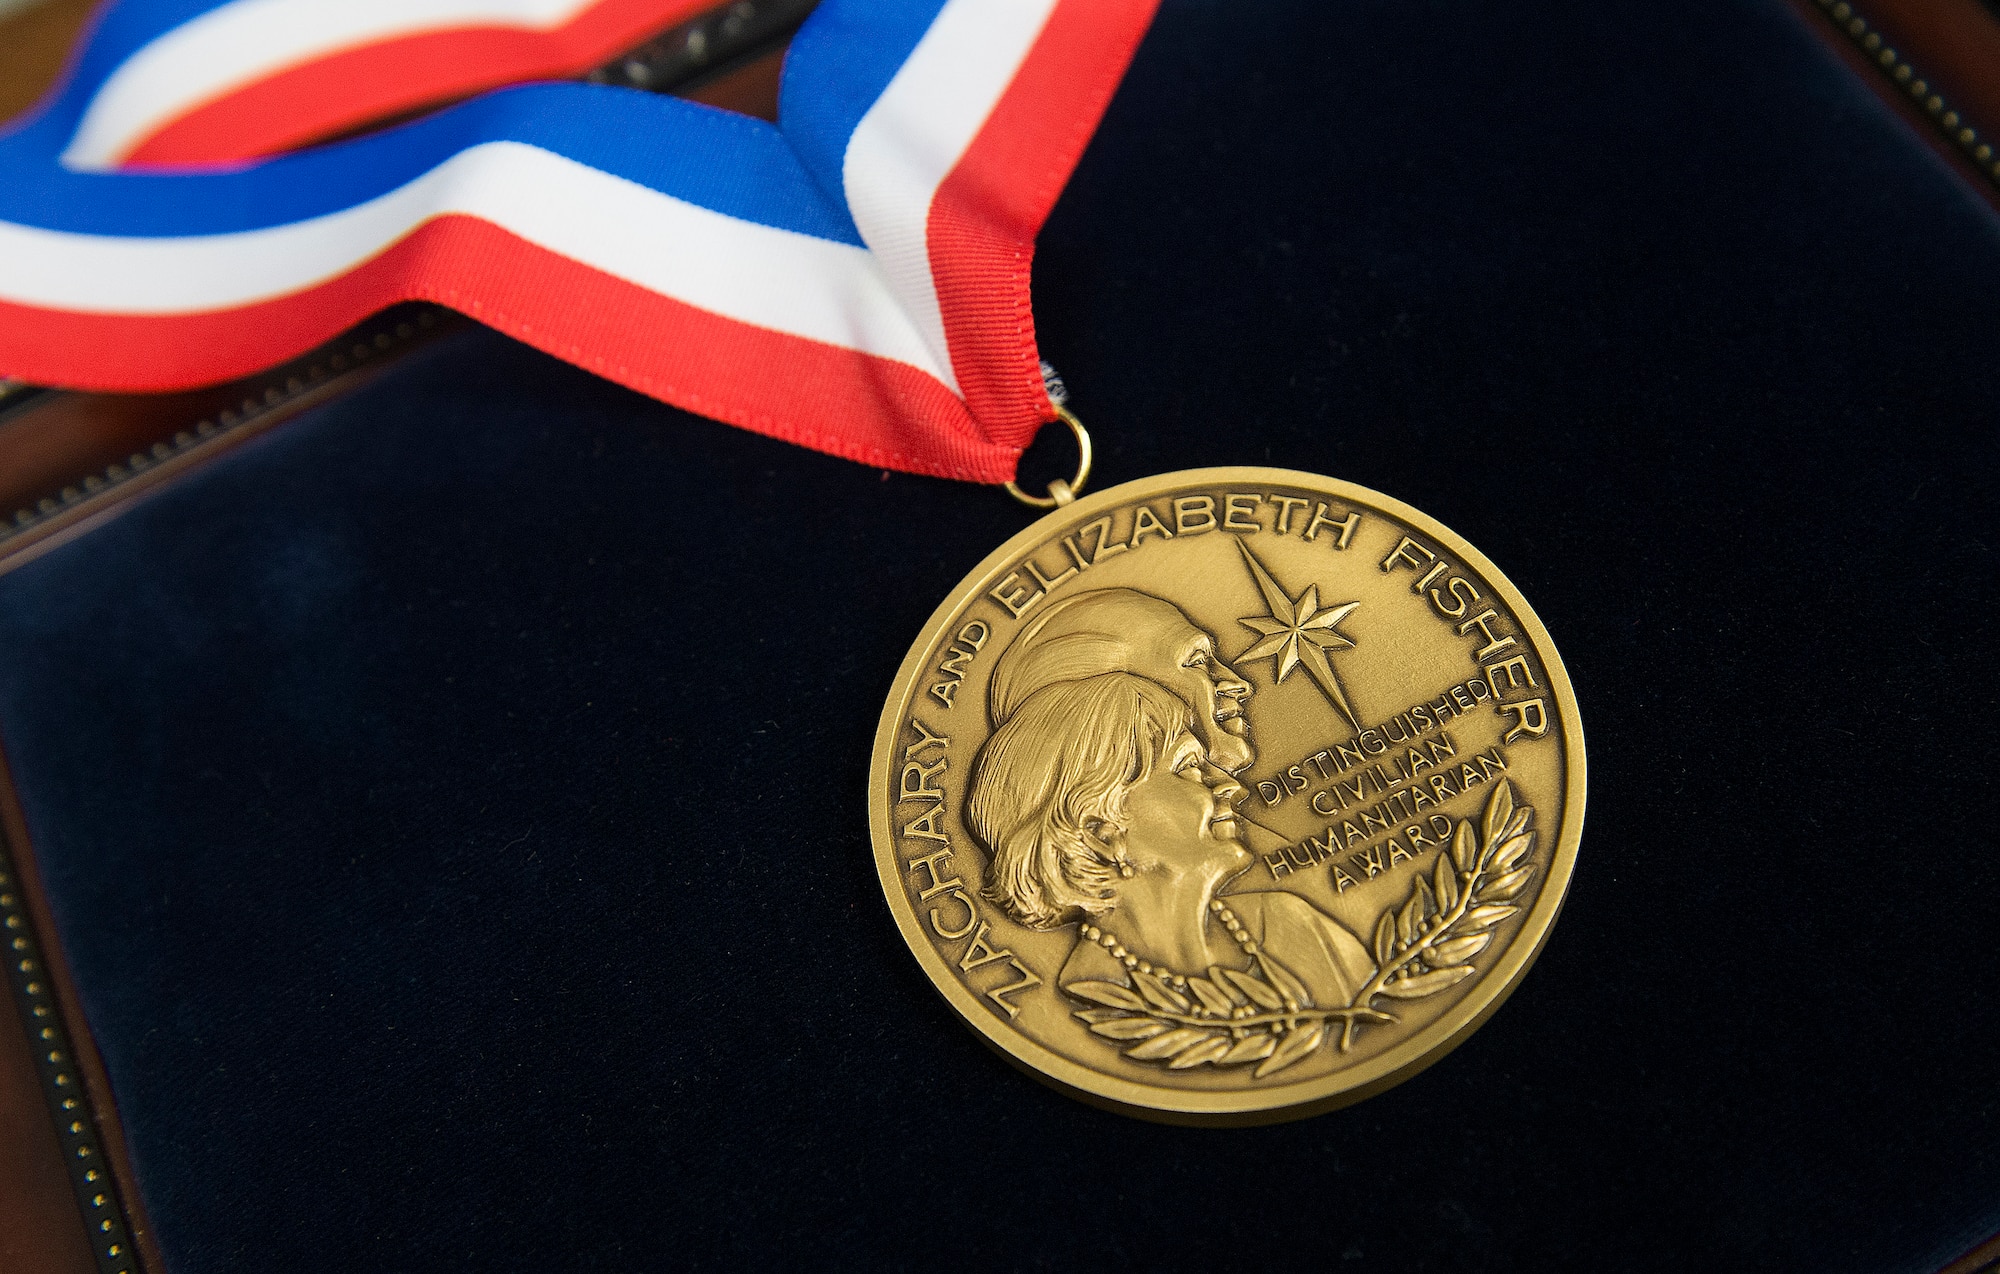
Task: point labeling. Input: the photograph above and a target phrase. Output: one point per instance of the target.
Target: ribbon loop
(855, 279)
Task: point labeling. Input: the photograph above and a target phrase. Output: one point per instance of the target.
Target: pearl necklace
(1118, 951)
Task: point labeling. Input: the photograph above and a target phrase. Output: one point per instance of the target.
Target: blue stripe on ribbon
(837, 67)
(729, 163)
(839, 64)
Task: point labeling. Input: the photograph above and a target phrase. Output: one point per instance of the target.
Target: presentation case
(435, 816)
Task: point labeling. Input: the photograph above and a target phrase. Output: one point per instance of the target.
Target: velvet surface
(452, 802)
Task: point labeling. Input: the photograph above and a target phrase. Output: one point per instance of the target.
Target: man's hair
(1080, 636)
(1065, 759)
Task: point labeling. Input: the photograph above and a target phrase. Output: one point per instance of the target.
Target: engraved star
(1297, 633)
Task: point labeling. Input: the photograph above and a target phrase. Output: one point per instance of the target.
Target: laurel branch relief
(1265, 1015)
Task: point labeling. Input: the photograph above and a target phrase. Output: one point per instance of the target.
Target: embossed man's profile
(1124, 630)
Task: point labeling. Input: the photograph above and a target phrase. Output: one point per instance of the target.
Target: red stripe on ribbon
(988, 210)
(981, 228)
(339, 91)
(874, 410)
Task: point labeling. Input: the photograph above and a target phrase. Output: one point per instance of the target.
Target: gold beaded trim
(330, 361)
(1948, 121)
(82, 1148)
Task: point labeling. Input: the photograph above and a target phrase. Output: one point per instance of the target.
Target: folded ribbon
(854, 278)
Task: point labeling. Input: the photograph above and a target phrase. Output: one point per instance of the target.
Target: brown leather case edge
(70, 1085)
(41, 1226)
(1936, 63)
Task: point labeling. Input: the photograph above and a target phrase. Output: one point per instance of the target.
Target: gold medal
(1228, 796)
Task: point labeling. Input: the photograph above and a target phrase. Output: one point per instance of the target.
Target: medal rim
(1296, 1099)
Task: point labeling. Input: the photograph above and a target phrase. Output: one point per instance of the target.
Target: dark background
(452, 802)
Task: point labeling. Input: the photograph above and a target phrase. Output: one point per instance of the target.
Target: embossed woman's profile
(1101, 809)
(1124, 630)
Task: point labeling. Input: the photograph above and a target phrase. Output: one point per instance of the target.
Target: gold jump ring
(1060, 492)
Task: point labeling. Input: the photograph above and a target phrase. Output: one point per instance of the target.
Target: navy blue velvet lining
(452, 802)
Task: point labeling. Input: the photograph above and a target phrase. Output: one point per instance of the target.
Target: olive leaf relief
(1265, 1015)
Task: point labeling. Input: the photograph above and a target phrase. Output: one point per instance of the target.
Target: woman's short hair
(1065, 760)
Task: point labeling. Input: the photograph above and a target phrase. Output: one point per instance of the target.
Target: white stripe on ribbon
(916, 132)
(777, 279)
(244, 41)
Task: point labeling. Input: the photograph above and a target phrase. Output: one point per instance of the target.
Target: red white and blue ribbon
(854, 278)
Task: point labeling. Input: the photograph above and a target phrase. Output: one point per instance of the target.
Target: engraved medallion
(1228, 796)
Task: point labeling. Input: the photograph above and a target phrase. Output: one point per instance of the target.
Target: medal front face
(1228, 796)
